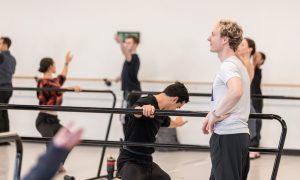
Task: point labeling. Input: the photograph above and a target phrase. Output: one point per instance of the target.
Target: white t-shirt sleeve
(228, 71)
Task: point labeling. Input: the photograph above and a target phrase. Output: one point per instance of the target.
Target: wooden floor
(83, 163)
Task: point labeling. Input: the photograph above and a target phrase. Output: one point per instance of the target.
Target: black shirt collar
(5, 52)
(155, 103)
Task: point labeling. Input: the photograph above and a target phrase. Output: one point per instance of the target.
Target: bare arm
(250, 70)
(68, 59)
(250, 67)
(64, 73)
(67, 139)
(234, 94)
(124, 50)
(149, 110)
(74, 88)
(179, 121)
(117, 79)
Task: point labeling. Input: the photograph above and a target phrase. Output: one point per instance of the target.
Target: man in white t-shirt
(230, 107)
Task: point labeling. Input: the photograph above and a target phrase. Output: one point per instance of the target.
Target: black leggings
(48, 125)
(134, 171)
(4, 120)
(258, 105)
(229, 156)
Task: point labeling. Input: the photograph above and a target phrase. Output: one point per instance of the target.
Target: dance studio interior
(149, 90)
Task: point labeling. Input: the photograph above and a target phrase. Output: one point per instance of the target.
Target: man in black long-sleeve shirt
(129, 74)
(135, 163)
(7, 69)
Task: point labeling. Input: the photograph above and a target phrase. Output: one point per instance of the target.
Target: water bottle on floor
(110, 164)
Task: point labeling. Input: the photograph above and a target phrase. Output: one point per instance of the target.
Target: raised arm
(68, 59)
(124, 50)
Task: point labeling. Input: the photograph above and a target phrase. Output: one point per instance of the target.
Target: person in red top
(47, 122)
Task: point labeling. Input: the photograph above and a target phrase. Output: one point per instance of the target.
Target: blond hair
(233, 31)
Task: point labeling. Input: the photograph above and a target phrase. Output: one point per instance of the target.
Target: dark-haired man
(7, 69)
(136, 163)
(131, 66)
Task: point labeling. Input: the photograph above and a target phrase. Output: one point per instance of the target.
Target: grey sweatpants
(229, 156)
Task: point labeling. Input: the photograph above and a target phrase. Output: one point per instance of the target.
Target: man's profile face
(215, 40)
(129, 44)
(175, 105)
(2, 45)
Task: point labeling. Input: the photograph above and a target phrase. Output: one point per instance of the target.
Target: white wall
(174, 33)
(173, 47)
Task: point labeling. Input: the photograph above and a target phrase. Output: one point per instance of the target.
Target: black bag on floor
(166, 136)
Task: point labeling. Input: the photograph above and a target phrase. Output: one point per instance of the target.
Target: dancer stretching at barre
(136, 163)
(47, 122)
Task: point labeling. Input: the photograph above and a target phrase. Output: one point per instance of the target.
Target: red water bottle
(110, 165)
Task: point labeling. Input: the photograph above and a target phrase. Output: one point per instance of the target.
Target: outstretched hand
(118, 39)
(68, 57)
(179, 121)
(66, 139)
(76, 88)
